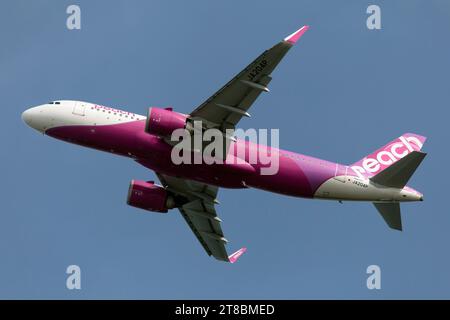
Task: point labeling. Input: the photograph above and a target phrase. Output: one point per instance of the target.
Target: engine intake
(162, 122)
(148, 196)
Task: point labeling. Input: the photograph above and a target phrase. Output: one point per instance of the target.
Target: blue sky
(341, 93)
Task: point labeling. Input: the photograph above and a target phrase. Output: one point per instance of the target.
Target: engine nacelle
(162, 122)
(148, 196)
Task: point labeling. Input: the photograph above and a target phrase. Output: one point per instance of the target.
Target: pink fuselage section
(298, 175)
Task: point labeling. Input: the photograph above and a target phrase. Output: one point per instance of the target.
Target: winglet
(235, 256)
(293, 38)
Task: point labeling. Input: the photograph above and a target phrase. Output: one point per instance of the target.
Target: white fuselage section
(70, 113)
(352, 188)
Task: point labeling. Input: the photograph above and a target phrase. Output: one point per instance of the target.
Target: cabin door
(79, 108)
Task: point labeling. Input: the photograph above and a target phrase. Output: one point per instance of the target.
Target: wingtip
(235, 256)
(293, 37)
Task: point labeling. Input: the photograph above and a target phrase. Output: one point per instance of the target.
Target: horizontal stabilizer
(390, 213)
(398, 174)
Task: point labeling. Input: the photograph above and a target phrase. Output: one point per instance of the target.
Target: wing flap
(207, 230)
(200, 213)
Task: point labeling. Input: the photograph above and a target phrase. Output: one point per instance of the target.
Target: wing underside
(199, 213)
(225, 108)
(229, 104)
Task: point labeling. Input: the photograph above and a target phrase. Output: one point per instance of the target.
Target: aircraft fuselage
(123, 133)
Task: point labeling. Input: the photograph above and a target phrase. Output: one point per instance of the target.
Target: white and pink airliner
(379, 178)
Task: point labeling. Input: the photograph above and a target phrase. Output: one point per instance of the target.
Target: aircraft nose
(36, 118)
(27, 117)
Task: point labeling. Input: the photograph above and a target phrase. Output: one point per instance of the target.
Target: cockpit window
(57, 102)
(54, 102)
(51, 102)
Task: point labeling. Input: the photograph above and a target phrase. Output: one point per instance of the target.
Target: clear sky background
(341, 93)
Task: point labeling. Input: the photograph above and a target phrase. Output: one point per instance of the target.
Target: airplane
(380, 177)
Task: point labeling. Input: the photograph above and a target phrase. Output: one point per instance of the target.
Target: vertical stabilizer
(388, 155)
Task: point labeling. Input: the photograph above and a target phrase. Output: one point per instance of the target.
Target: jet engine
(148, 196)
(162, 122)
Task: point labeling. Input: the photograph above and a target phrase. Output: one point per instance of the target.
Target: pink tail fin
(388, 155)
(235, 256)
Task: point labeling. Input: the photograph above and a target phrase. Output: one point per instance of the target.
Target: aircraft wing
(200, 214)
(226, 107)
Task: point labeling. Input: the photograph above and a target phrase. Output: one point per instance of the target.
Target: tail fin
(388, 155)
(390, 213)
(398, 174)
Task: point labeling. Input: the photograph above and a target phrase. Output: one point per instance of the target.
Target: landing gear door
(79, 108)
